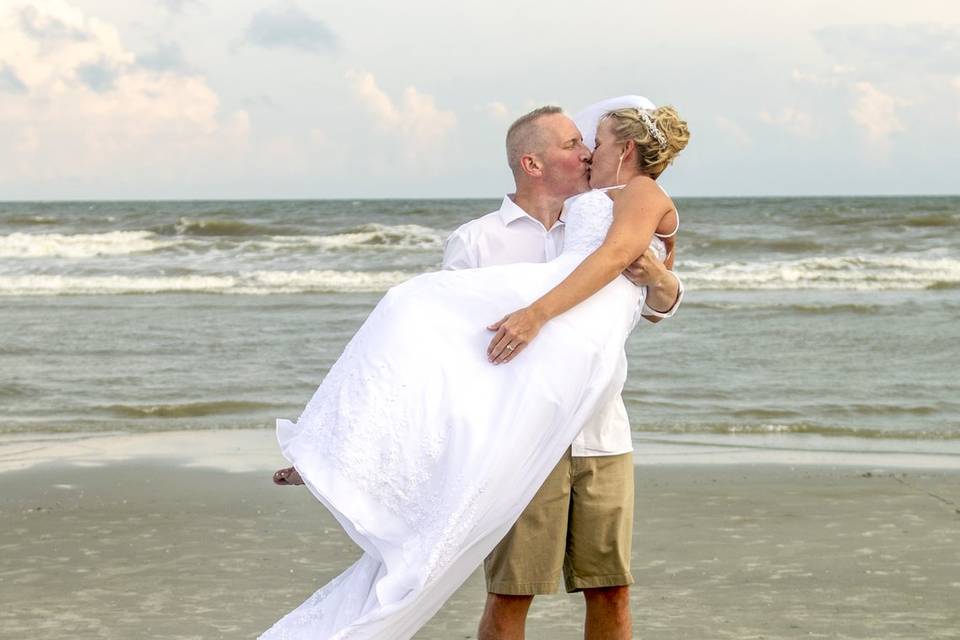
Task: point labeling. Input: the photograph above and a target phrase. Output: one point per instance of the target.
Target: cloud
(99, 76)
(416, 122)
(834, 77)
(47, 27)
(177, 6)
(733, 131)
(83, 108)
(793, 120)
(497, 110)
(882, 48)
(261, 101)
(165, 57)
(288, 26)
(876, 112)
(10, 82)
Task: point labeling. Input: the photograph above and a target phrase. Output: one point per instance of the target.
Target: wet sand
(145, 546)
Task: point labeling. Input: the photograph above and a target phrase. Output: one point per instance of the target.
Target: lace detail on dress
(588, 218)
(366, 411)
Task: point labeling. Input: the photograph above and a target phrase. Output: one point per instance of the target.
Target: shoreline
(169, 546)
(246, 450)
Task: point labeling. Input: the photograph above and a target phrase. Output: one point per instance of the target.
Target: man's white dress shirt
(510, 235)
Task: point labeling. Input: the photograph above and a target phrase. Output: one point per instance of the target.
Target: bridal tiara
(652, 128)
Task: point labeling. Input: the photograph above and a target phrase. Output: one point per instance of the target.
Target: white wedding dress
(425, 452)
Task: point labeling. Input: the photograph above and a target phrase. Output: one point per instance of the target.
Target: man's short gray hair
(526, 136)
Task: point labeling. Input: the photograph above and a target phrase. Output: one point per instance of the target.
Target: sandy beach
(182, 535)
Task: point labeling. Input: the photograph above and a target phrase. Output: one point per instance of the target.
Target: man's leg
(599, 542)
(529, 560)
(608, 614)
(504, 617)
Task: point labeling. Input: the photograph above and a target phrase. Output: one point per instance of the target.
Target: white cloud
(85, 108)
(876, 112)
(733, 131)
(415, 121)
(286, 25)
(882, 50)
(496, 110)
(177, 6)
(834, 77)
(793, 120)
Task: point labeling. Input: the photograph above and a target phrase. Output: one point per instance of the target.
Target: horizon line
(492, 197)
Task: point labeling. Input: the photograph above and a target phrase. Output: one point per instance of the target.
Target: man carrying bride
(580, 522)
(428, 438)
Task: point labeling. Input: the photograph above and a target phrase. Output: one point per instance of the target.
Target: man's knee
(609, 598)
(504, 617)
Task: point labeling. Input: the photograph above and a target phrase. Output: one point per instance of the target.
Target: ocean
(824, 323)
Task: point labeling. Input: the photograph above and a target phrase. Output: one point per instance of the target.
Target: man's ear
(531, 165)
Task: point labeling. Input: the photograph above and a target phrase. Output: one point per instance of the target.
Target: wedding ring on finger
(510, 347)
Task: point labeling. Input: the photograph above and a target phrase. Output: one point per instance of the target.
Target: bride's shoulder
(646, 188)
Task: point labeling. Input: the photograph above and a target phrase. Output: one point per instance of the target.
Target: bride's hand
(513, 333)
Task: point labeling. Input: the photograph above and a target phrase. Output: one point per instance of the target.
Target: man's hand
(663, 287)
(513, 333)
(648, 271)
(670, 243)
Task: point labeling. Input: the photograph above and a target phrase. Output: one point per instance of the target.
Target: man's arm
(664, 288)
(458, 252)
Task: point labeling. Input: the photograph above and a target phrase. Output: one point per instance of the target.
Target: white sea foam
(253, 283)
(866, 273)
(117, 243)
(81, 245)
(369, 236)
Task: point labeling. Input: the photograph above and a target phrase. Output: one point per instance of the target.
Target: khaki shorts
(580, 522)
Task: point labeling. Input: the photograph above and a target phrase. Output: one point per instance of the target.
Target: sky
(197, 99)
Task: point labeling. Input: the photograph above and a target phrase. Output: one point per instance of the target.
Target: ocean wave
(826, 308)
(185, 410)
(944, 285)
(29, 220)
(802, 429)
(780, 245)
(254, 240)
(862, 273)
(932, 220)
(81, 245)
(214, 227)
(381, 236)
(254, 283)
(13, 390)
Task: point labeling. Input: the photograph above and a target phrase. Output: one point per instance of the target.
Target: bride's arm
(636, 214)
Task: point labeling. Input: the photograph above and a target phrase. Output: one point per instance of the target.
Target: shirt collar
(511, 212)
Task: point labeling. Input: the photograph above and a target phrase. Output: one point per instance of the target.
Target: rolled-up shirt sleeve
(647, 310)
(458, 253)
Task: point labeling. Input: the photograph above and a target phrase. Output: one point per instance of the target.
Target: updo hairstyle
(653, 154)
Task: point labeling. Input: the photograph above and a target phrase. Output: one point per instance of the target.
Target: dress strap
(659, 235)
(675, 229)
(676, 211)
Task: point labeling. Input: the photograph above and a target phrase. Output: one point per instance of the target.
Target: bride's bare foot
(288, 476)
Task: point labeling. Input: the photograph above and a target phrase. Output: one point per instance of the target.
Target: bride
(422, 448)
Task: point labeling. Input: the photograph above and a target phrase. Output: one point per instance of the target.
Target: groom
(581, 520)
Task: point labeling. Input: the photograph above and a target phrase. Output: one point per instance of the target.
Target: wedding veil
(588, 119)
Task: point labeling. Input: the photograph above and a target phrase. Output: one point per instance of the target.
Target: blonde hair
(654, 152)
(526, 136)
